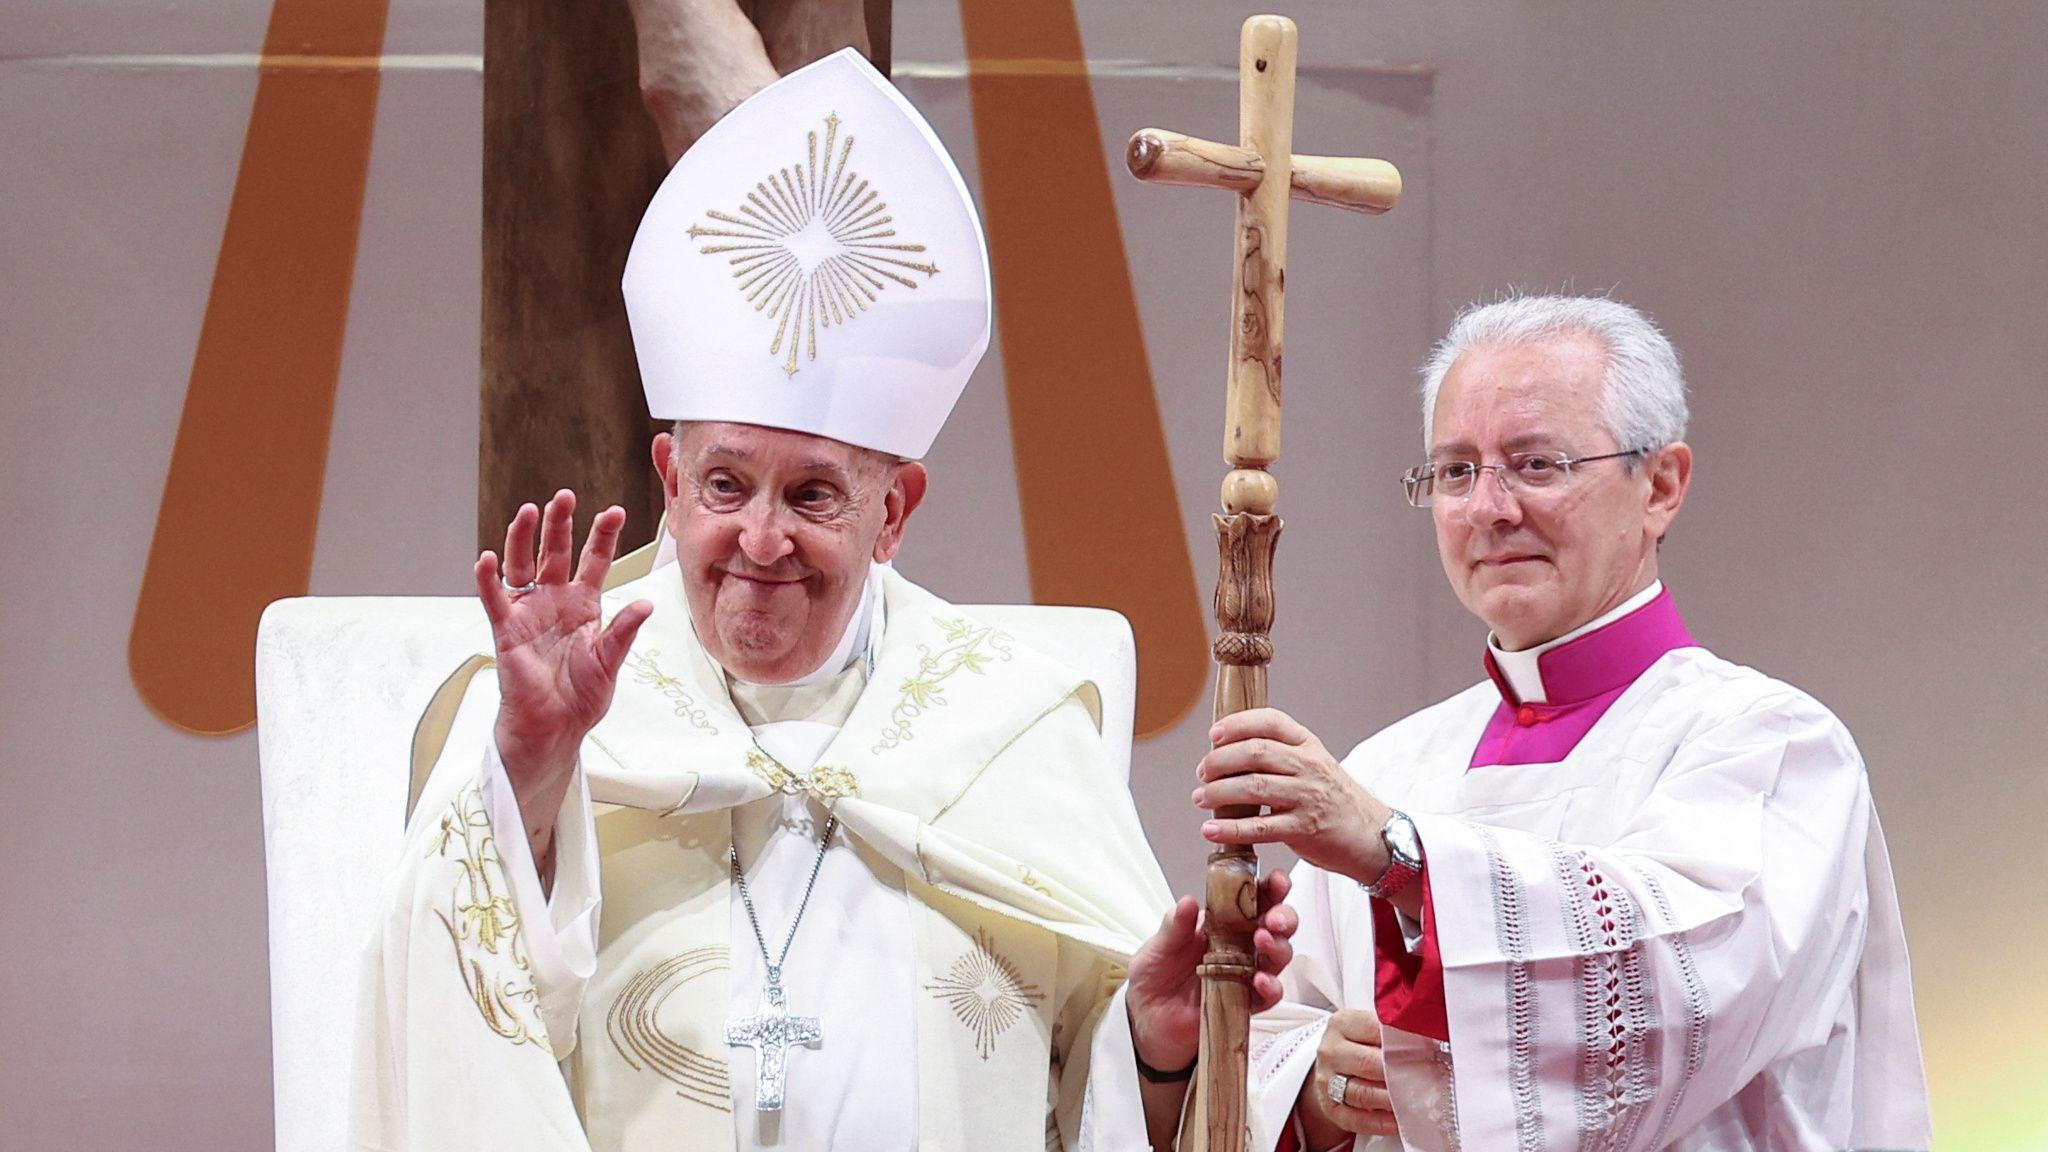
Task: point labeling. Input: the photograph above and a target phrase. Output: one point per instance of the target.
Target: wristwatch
(1404, 856)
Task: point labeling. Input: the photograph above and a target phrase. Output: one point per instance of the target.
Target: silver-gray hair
(1642, 402)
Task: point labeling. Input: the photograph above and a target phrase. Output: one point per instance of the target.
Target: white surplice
(1680, 933)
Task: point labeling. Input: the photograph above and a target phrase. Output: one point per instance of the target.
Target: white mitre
(815, 263)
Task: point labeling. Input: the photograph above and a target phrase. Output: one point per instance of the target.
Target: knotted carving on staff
(1265, 173)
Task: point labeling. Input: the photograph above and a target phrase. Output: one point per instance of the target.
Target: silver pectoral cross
(770, 1033)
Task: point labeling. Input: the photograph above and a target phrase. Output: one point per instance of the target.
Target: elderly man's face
(774, 533)
(1536, 565)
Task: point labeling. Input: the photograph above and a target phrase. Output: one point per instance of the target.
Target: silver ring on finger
(1339, 1084)
(529, 586)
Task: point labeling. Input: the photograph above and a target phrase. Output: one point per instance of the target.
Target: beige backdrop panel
(1833, 210)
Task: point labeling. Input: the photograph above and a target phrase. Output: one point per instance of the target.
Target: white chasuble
(986, 886)
(1659, 908)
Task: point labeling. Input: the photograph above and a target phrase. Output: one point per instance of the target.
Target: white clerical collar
(828, 703)
(1521, 669)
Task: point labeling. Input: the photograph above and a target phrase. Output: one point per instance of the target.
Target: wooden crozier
(1265, 173)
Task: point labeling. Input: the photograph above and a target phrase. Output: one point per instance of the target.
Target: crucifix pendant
(770, 1033)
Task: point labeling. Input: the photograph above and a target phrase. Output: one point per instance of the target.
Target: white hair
(879, 460)
(1642, 401)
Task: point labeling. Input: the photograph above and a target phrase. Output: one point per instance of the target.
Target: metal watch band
(1402, 866)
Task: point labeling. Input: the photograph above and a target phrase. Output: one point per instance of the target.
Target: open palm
(558, 663)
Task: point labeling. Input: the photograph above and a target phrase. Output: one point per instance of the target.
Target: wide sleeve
(1050, 833)
(1332, 969)
(1097, 1103)
(1617, 993)
(1408, 988)
(453, 1048)
(564, 920)
(1052, 825)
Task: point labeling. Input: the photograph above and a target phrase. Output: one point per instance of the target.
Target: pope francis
(867, 878)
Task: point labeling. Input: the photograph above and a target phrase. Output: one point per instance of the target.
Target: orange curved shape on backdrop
(1102, 523)
(241, 503)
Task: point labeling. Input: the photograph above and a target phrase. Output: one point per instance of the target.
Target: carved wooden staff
(1265, 173)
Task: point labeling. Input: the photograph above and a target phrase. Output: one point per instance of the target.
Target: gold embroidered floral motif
(811, 246)
(485, 927)
(648, 672)
(823, 782)
(986, 993)
(640, 1041)
(968, 646)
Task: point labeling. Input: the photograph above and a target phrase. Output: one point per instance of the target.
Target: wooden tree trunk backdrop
(570, 162)
(571, 159)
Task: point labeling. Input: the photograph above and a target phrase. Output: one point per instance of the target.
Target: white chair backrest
(340, 684)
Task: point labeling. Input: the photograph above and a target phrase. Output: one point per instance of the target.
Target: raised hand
(558, 663)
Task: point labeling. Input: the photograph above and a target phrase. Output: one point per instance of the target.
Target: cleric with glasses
(1453, 478)
(1538, 913)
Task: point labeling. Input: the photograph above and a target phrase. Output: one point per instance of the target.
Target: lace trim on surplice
(1617, 1013)
(1509, 900)
(1446, 1104)
(1271, 1052)
(1699, 1007)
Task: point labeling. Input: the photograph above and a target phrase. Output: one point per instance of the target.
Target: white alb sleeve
(563, 943)
(1114, 1118)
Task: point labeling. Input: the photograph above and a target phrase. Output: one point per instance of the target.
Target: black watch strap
(1155, 1076)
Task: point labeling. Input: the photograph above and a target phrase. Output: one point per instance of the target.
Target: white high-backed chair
(340, 684)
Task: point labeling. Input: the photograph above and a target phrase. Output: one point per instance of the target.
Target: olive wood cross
(1265, 173)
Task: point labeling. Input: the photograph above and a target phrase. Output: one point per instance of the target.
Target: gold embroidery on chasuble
(812, 246)
(1029, 879)
(968, 646)
(823, 782)
(986, 992)
(648, 672)
(635, 1029)
(484, 925)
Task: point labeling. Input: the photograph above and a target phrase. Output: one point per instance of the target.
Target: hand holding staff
(1265, 173)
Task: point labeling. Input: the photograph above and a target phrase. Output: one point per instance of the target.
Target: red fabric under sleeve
(1408, 987)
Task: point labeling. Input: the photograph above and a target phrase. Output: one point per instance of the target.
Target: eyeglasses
(1528, 471)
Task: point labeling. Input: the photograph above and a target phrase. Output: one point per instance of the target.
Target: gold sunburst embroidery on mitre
(986, 993)
(812, 246)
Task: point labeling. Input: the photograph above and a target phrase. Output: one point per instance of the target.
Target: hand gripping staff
(1265, 173)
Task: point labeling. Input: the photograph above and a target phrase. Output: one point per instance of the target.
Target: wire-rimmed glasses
(1525, 471)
